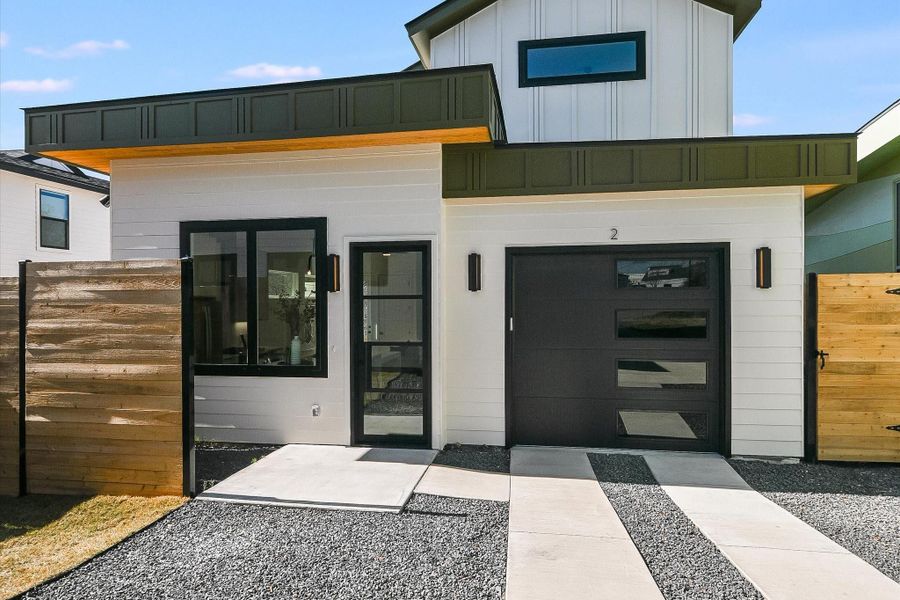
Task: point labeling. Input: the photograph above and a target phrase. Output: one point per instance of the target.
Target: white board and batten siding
(766, 325)
(89, 223)
(687, 93)
(366, 194)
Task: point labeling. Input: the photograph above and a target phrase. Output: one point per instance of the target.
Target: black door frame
(358, 348)
(722, 249)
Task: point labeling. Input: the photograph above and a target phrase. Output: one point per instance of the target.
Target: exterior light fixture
(333, 271)
(474, 272)
(764, 268)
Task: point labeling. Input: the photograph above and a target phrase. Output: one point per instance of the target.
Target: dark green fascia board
(445, 15)
(489, 170)
(393, 102)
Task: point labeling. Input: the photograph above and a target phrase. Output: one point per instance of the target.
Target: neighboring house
(856, 229)
(50, 211)
(568, 162)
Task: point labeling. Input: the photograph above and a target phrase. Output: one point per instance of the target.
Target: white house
(543, 233)
(50, 211)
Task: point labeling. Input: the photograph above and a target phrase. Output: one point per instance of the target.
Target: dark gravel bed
(476, 458)
(438, 548)
(857, 506)
(216, 461)
(684, 563)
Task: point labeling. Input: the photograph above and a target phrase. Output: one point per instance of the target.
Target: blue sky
(803, 66)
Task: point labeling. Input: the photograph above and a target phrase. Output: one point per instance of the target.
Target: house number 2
(614, 233)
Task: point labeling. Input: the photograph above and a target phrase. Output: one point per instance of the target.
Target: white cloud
(750, 120)
(36, 85)
(4, 39)
(85, 48)
(277, 73)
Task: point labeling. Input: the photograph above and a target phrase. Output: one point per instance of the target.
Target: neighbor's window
(258, 296)
(54, 220)
(583, 59)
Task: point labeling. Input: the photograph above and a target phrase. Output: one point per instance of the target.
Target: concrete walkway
(377, 479)
(781, 555)
(565, 539)
(454, 482)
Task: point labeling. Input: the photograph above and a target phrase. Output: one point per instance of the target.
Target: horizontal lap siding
(383, 192)
(9, 386)
(103, 378)
(767, 325)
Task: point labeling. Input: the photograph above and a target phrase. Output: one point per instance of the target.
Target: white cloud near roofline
(4, 39)
(750, 120)
(36, 85)
(276, 73)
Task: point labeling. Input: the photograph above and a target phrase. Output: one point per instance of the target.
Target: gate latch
(893, 428)
(894, 292)
(822, 356)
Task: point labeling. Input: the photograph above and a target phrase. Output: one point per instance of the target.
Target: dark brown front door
(391, 343)
(616, 347)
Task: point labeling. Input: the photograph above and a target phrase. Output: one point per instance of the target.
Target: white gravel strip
(439, 548)
(857, 506)
(683, 562)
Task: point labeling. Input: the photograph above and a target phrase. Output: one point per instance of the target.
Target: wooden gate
(857, 365)
(9, 386)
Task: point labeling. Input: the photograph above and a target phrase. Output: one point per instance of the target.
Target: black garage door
(616, 347)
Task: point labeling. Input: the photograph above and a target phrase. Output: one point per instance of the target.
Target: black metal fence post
(23, 321)
(811, 369)
(189, 476)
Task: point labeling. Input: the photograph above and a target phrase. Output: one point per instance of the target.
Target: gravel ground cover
(437, 548)
(494, 459)
(216, 461)
(684, 563)
(858, 506)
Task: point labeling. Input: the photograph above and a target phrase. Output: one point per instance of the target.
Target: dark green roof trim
(445, 15)
(485, 170)
(392, 102)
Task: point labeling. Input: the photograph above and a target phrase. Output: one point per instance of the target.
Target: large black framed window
(583, 59)
(259, 296)
(54, 220)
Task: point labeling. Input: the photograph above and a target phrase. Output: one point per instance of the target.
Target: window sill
(319, 372)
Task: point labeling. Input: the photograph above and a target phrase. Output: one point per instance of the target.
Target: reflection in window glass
(396, 367)
(220, 294)
(663, 273)
(392, 320)
(582, 59)
(662, 374)
(286, 302)
(663, 424)
(680, 324)
(392, 273)
(393, 413)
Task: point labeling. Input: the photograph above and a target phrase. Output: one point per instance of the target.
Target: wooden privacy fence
(856, 349)
(104, 387)
(9, 386)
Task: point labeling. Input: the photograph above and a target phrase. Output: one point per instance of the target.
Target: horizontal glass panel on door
(662, 324)
(286, 297)
(396, 367)
(661, 374)
(653, 273)
(388, 413)
(663, 424)
(392, 274)
(392, 320)
(220, 297)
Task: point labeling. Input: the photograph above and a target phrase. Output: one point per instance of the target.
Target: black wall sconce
(764, 268)
(474, 272)
(333, 272)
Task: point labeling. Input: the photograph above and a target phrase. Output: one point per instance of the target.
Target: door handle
(822, 356)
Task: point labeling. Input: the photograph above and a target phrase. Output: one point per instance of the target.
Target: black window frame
(251, 227)
(640, 71)
(42, 218)
(897, 225)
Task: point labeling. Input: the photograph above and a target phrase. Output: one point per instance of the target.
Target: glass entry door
(391, 343)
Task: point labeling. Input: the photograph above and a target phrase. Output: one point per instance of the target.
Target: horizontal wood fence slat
(9, 386)
(858, 390)
(104, 378)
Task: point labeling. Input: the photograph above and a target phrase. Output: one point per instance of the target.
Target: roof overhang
(879, 143)
(99, 187)
(447, 106)
(817, 163)
(445, 15)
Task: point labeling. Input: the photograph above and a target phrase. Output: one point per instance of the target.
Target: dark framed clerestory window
(54, 220)
(259, 296)
(583, 59)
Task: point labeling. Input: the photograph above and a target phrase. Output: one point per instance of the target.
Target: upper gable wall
(687, 93)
